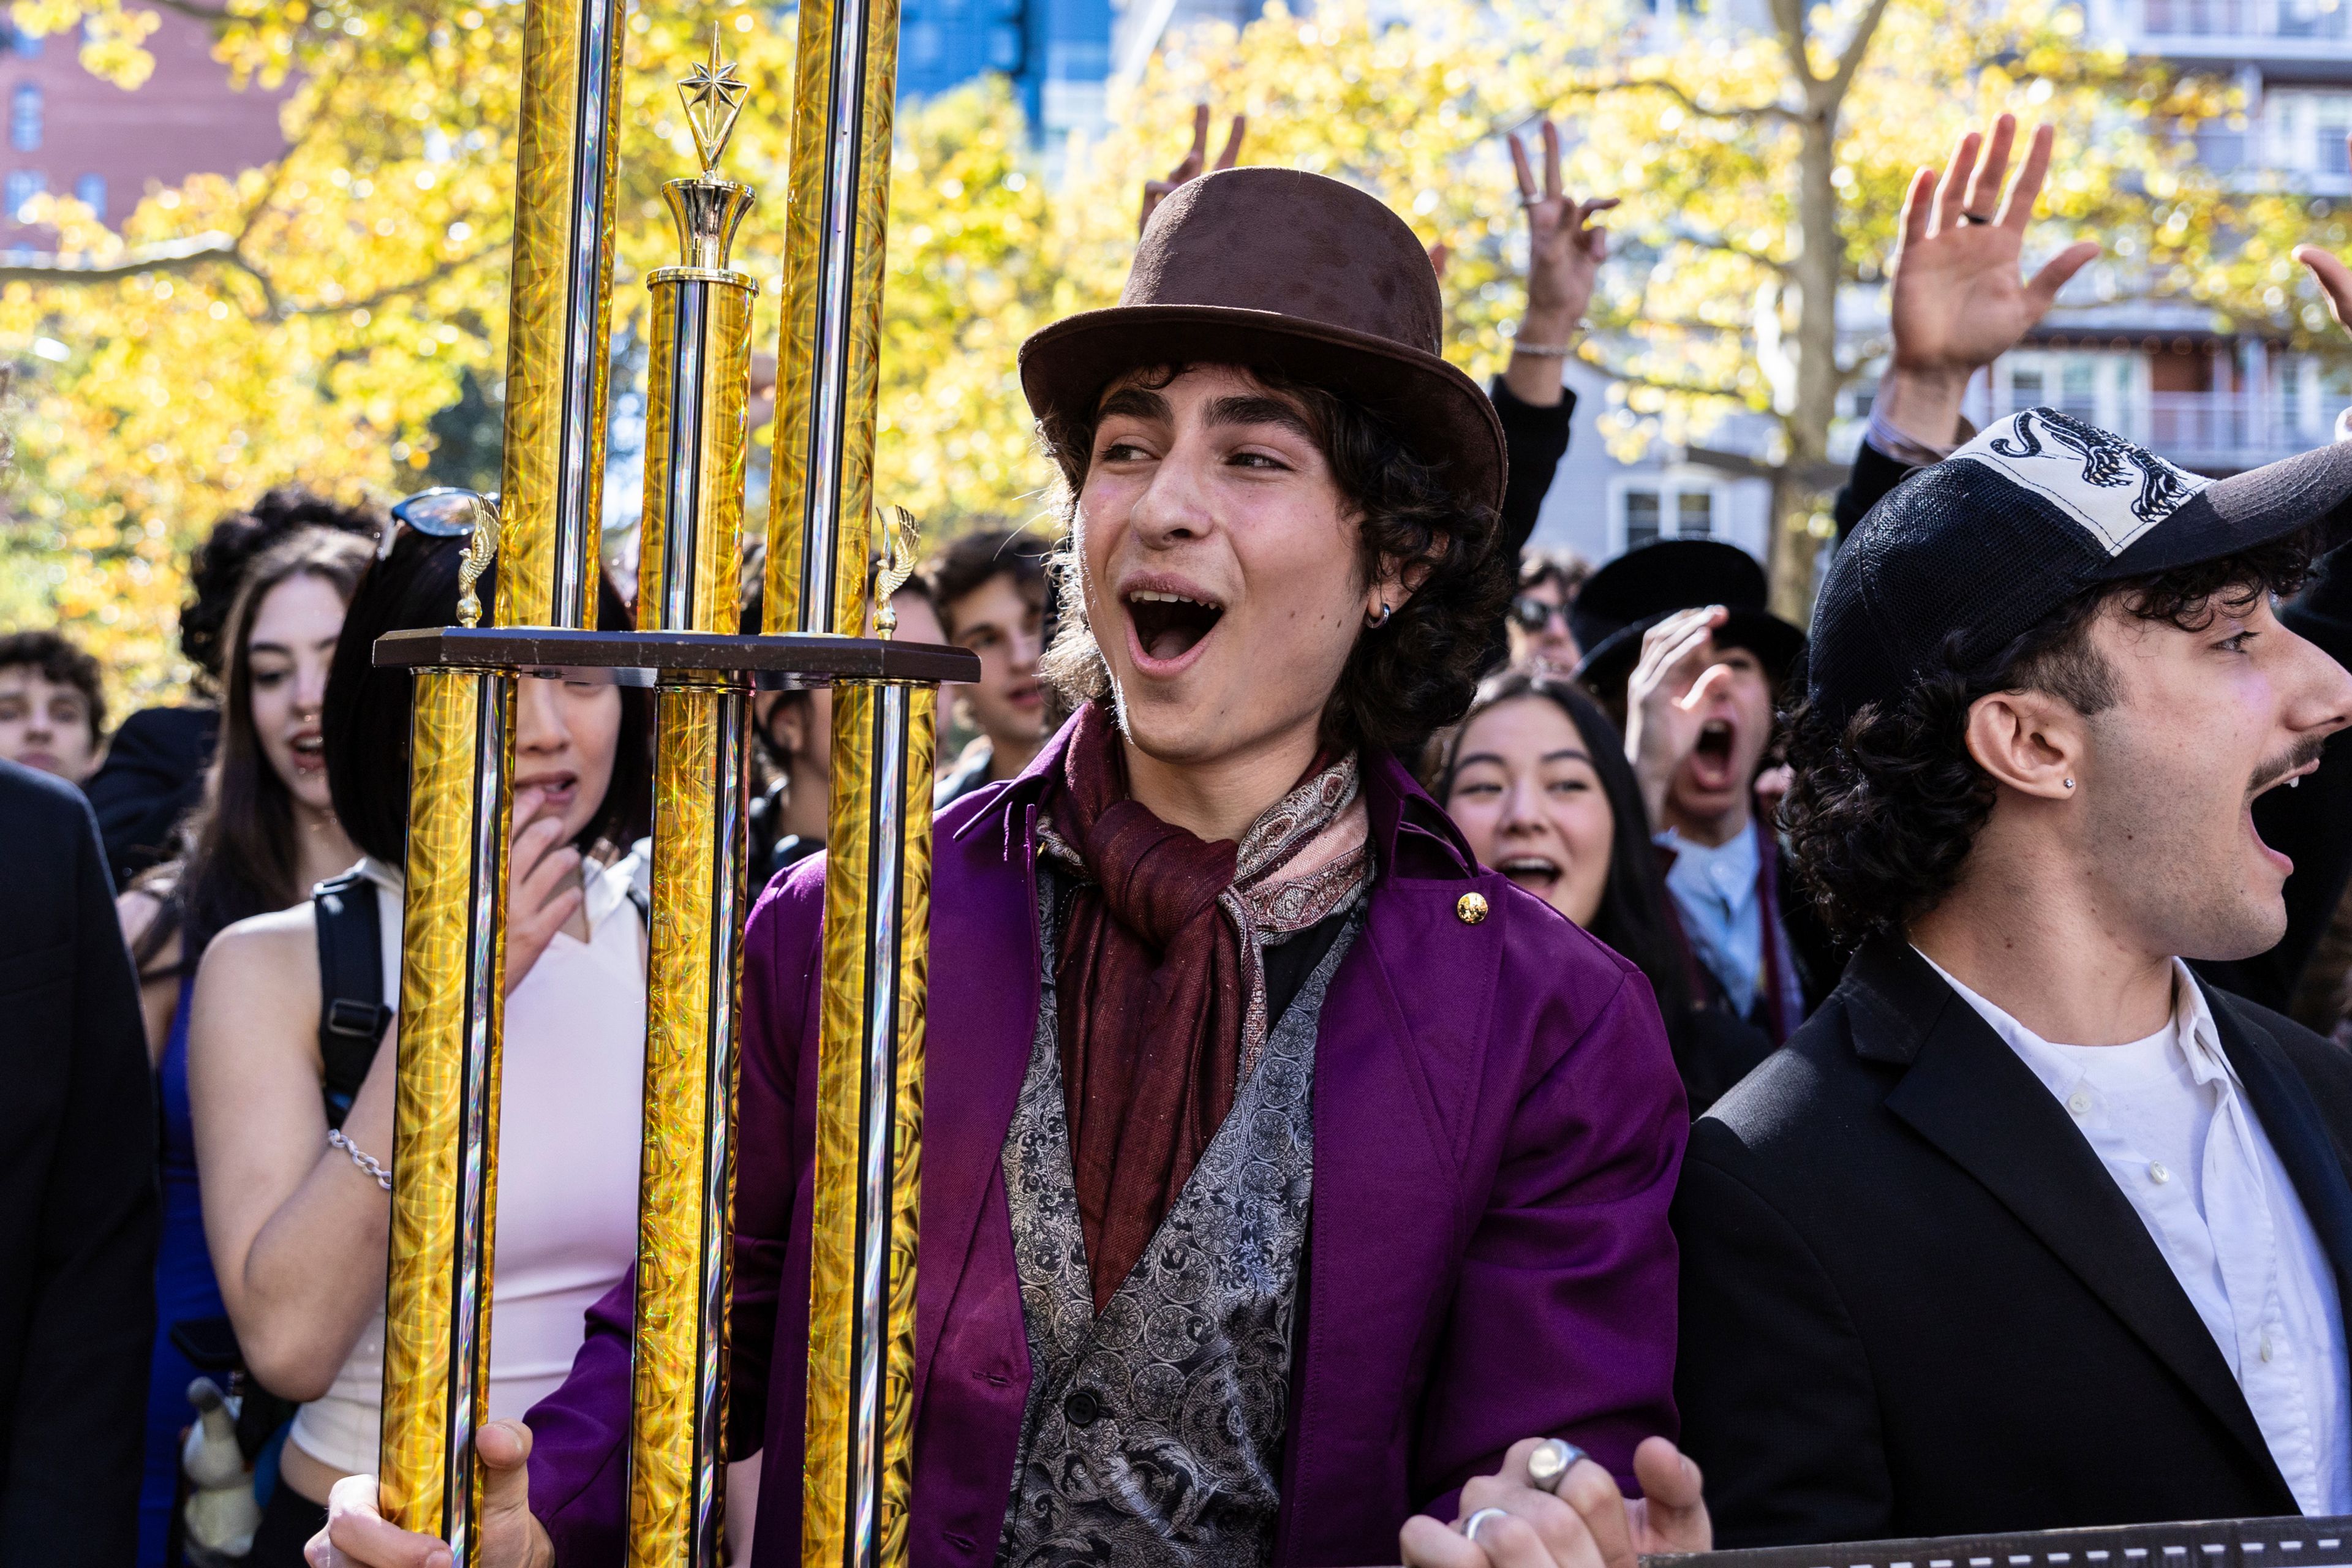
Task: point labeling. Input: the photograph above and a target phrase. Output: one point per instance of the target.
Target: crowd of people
(1343, 908)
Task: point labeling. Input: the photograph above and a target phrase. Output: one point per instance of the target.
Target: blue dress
(184, 1288)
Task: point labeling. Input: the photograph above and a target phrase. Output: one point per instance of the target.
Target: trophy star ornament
(713, 95)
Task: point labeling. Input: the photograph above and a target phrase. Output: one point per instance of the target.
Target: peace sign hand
(1565, 249)
(1191, 167)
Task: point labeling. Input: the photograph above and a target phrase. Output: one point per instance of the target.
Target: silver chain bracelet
(360, 1157)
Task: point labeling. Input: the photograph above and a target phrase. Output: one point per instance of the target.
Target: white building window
(2303, 131)
(1650, 510)
(22, 186)
(25, 117)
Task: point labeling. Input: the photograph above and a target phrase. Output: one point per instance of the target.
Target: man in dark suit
(2029, 1228)
(77, 1201)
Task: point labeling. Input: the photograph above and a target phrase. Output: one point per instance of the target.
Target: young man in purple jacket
(1285, 1174)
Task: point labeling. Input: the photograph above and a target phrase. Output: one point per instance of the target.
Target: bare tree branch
(171, 256)
(1736, 112)
(1855, 49)
(1635, 378)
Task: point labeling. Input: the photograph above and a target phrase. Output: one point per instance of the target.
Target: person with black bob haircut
(293, 1116)
(1536, 777)
(2030, 1227)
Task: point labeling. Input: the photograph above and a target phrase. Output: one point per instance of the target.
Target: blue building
(1057, 53)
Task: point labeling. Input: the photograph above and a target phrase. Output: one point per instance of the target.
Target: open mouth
(1169, 626)
(310, 751)
(1538, 874)
(1710, 762)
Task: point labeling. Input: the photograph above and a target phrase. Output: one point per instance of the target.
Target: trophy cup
(861, 1338)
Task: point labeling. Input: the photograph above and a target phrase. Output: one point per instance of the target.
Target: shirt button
(2267, 1347)
(1081, 1408)
(2079, 1102)
(2157, 1174)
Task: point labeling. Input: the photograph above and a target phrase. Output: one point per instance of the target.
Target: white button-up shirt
(2168, 1117)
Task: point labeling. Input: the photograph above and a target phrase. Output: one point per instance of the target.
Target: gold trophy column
(858, 1461)
(436, 1354)
(699, 382)
(560, 313)
(453, 943)
(821, 499)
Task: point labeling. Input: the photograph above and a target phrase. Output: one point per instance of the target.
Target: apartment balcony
(2208, 432)
(2279, 32)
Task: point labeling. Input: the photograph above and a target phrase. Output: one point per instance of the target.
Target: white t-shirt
(2168, 1118)
(570, 1114)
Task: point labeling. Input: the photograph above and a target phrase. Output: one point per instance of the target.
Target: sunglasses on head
(445, 511)
(1532, 615)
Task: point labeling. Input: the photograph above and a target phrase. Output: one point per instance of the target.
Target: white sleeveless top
(571, 1108)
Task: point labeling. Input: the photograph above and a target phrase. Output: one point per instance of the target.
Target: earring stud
(2070, 784)
(1381, 619)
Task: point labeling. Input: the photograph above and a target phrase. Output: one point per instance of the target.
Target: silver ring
(1470, 1526)
(1975, 219)
(1550, 1464)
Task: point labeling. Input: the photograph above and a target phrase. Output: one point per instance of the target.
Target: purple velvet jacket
(1498, 1126)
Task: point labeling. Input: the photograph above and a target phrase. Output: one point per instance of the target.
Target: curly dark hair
(1404, 680)
(1884, 807)
(57, 660)
(217, 567)
(971, 561)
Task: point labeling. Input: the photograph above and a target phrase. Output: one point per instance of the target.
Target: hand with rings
(1551, 1507)
(1957, 299)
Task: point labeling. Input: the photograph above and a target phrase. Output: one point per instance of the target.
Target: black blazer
(154, 776)
(1913, 1302)
(77, 1200)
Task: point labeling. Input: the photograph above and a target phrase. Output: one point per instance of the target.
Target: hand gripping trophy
(544, 533)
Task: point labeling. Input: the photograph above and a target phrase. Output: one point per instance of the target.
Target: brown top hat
(1291, 272)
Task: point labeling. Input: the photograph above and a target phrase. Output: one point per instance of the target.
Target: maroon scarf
(1160, 982)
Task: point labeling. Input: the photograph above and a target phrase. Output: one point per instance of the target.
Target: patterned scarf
(1162, 972)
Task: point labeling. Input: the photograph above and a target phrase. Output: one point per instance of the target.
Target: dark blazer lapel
(1968, 1093)
(2283, 1103)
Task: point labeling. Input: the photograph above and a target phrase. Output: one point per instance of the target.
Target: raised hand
(1565, 247)
(1585, 1523)
(2334, 278)
(1958, 302)
(1194, 161)
(1666, 699)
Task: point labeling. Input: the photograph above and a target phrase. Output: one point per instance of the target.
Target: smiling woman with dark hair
(1535, 776)
(1212, 955)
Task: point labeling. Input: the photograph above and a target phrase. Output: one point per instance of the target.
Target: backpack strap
(351, 1011)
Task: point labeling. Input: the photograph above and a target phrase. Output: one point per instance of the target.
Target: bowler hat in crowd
(1641, 587)
(1281, 270)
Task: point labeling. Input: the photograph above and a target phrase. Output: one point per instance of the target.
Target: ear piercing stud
(2070, 784)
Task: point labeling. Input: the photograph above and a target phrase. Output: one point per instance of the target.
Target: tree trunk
(1817, 268)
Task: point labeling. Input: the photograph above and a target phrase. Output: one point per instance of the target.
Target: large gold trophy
(445, 1183)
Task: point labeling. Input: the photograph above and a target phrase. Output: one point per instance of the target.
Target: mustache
(2301, 755)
